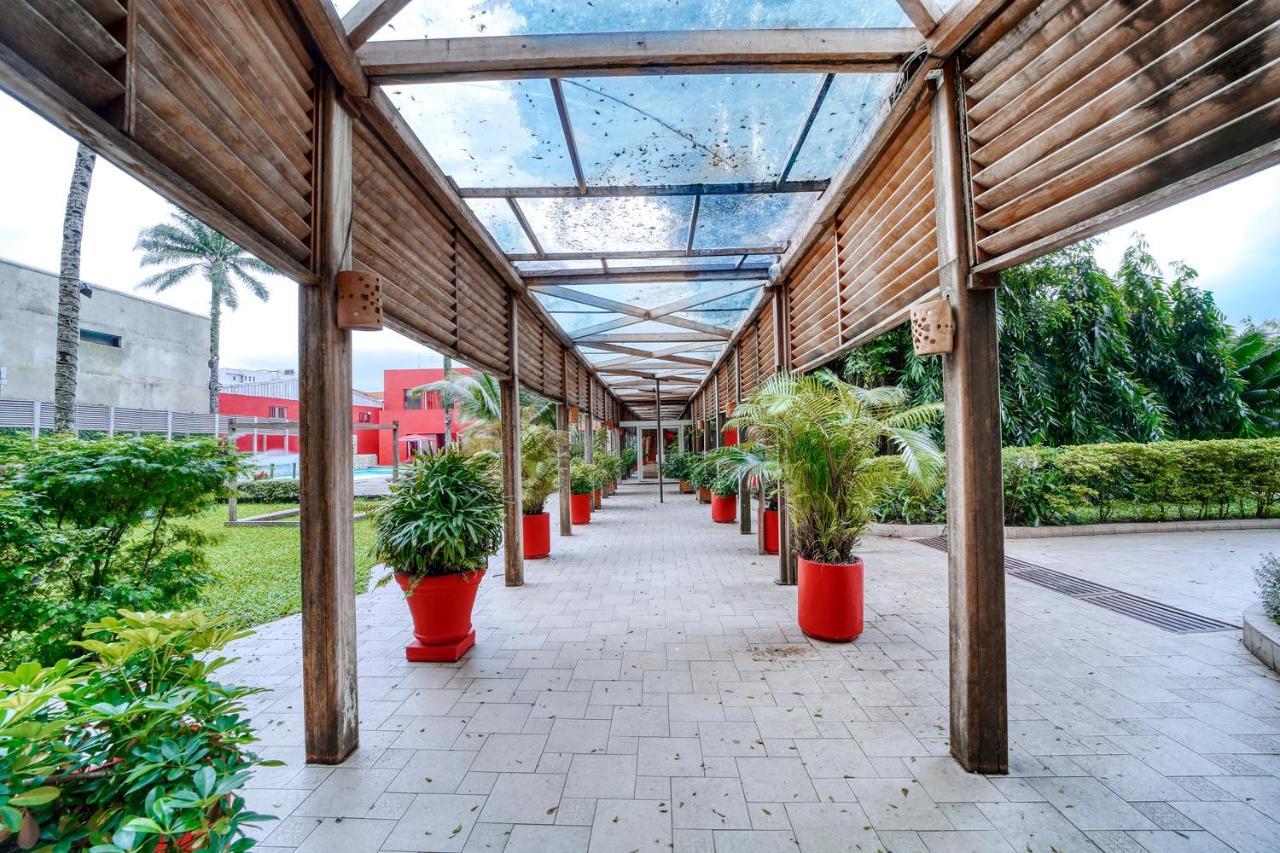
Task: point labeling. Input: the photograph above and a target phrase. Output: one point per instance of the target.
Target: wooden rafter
(645, 190)
(611, 54)
(641, 254)
(644, 275)
(924, 14)
(803, 133)
(662, 313)
(526, 227)
(571, 144)
(369, 16)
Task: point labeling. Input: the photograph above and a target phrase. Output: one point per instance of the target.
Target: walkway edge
(925, 531)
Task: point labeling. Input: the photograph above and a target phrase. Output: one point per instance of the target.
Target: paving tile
(432, 771)
(947, 782)
(898, 804)
(757, 841)
(1035, 827)
(670, 756)
(775, 780)
(548, 839)
(965, 841)
(435, 822)
(347, 793)
(1236, 824)
(831, 828)
(708, 804)
(524, 798)
(597, 776)
(1089, 804)
(506, 753)
(578, 736)
(641, 825)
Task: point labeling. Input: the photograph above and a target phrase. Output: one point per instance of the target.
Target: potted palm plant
(823, 437)
(539, 477)
(724, 495)
(582, 482)
(436, 531)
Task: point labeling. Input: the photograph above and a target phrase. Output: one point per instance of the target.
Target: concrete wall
(161, 363)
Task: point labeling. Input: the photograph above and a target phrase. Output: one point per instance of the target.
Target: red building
(279, 400)
(420, 414)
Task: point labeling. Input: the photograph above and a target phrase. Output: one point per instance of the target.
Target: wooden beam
(975, 492)
(330, 37)
(509, 427)
(731, 251)
(632, 53)
(325, 489)
(651, 338)
(647, 190)
(924, 14)
(526, 227)
(566, 127)
(693, 223)
(562, 455)
(959, 23)
(803, 133)
(369, 16)
(537, 280)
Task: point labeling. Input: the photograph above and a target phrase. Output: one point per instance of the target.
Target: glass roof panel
(454, 18)
(554, 266)
(556, 303)
(496, 215)
(686, 128)
(649, 295)
(750, 220)
(725, 317)
(852, 106)
(629, 224)
(489, 134)
(573, 322)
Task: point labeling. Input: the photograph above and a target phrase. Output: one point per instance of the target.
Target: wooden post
(395, 451)
(231, 486)
(513, 528)
(562, 462)
(325, 486)
(657, 396)
(782, 360)
(975, 492)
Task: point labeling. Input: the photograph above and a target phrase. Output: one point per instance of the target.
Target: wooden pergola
(1013, 127)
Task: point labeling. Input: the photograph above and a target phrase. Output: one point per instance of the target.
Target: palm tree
(187, 247)
(447, 401)
(67, 359)
(1255, 352)
(479, 402)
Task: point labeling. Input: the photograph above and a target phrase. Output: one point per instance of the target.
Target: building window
(277, 412)
(105, 338)
(433, 400)
(366, 417)
(412, 399)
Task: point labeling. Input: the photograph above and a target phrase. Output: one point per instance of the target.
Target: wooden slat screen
(724, 391)
(876, 260)
(482, 311)
(748, 358)
(766, 358)
(80, 47)
(1089, 114)
(531, 361)
(222, 93)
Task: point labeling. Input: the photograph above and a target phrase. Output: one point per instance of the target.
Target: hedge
(281, 491)
(1081, 484)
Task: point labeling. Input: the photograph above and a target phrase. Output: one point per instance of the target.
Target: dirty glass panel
(750, 220)
(496, 215)
(493, 133)
(848, 116)
(436, 19)
(631, 224)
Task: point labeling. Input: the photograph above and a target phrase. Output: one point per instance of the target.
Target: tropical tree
(1255, 353)
(67, 352)
(447, 401)
(478, 399)
(187, 247)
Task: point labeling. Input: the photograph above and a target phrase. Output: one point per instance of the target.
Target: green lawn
(259, 578)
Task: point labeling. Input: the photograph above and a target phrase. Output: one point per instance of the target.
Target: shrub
(582, 477)
(676, 466)
(443, 517)
(268, 492)
(132, 746)
(1267, 575)
(610, 464)
(539, 466)
(91, 526)
(725, 484)
(628, 459)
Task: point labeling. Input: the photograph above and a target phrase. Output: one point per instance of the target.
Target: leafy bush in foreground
(1267, 575)
(134, 747)
(90, 526)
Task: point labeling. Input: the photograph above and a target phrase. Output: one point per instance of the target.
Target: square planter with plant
(436, 531)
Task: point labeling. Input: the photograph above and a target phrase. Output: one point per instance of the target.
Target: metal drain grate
(1128, 604)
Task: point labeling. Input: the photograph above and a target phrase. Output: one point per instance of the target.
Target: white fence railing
(35, 417)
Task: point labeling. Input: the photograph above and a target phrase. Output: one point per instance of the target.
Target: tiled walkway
(648, 690)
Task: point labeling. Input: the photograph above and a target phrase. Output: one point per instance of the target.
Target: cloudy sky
(1232, 236)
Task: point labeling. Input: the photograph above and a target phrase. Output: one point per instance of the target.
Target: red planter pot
(724, 510)
(704, 495)
(730, 437)
(771, 531)
(580, 509)
(537, 535)
(441, 610)
(829, 600)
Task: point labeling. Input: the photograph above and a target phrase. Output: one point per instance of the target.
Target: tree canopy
(1088, 357)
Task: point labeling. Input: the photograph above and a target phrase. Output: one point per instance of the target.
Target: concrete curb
(926, 531)
(1262, 636)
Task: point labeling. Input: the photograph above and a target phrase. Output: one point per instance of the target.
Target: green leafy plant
(582, 477)
(539, 466)
(676, 466)
(702, 471)
(267, 491)
(90, 526)
(1267, 574)
(610, 464)
(628, 459)
(443, 517)
(824, 436)
(133, 747)
(725, 484)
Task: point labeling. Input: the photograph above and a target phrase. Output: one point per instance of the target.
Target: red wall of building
(248, 406)
(427, 421)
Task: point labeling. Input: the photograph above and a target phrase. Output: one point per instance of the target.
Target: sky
(1231, 236)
